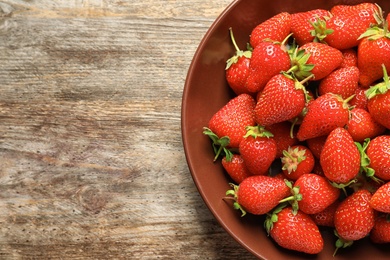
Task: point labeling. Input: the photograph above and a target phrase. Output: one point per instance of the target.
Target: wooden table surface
(91, 158)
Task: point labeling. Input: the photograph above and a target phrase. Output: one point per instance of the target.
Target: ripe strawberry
(282, 98)
(232, 119)
(302, 24)
(283, 136)
(360, 99)
(378, 103)
(324, 57)
(317, 193)
(237, 68)
(373, 53)
(275, 28)
(354, 218)
(349, 58)
(342, 81)
(235, 168)
(380, 200)
(297, 161)
(258, 194)
(316, 144)
(340, 158)
(227, 127)
(268, 59)
(352, 9)
(258, 149)
(380, 233)
(294, 231)
(361, 125)
(316, 58)
(326, 217)
(324, 114)
(347, 26)
(378, 151)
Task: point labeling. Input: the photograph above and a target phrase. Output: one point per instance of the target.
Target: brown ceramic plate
(206, 91)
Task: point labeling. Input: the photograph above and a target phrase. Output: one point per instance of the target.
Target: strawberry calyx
(342, 186)
(219, 144)
(233, 192)
(380, 88)
(365, 161)
(294, 198)
(341, 243)
(292, 158)
(257, 131)
(272, 217)
(378, 30)
(239, 53)
(299, 67)
(320, 31)
(345, 102)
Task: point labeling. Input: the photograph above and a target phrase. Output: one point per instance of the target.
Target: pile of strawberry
(312, 96)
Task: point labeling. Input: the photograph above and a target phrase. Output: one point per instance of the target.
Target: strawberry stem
(294, 198)
(233, 40)
(239, 53)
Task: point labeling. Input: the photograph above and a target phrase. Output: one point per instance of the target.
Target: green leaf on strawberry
(299, 67)
(365, 161)
(380, 88)
(219, 144)
(320, 31)
(341, 243)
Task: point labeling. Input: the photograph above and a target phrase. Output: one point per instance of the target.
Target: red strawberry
(232, 119)
(294, 231)
(297, 161)
(380, 233)
(380, 200)
(314, 58)
(268, 59)
(340, 157)
(362, 126)
(324, 57)
(360, 99)
(373, 53)
(378, 151)
(351, 9)
(283, 98)
(316, 144)
(349, 25)
(258, 194)
(282, 136)
(317, 193)
(354, 218)
(349, 58)
(378, 103)
(258, 149)
(235, 168)
(324, 114)
(302, 24)
(342, 81)
(275, 28)
(326, 217)
(237, 68)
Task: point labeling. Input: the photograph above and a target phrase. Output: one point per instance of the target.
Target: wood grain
(91, 158)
